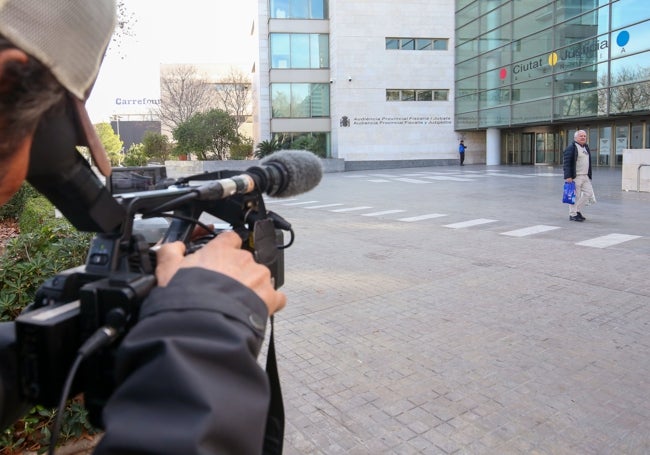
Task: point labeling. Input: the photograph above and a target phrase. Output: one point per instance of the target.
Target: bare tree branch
(184, 92)
(233, 95)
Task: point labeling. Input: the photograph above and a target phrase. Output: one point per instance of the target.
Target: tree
(184, 93)
(156, 146)
(233, 95)
(112, 143)
(136, 156)
(209, 135)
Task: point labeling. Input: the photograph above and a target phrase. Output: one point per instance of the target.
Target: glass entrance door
(527, 148)
(547, 148)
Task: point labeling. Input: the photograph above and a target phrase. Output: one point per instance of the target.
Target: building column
(492, 147)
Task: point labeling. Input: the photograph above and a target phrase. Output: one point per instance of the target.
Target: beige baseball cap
(70, 38)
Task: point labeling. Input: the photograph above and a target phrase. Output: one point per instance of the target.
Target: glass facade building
(537, 71)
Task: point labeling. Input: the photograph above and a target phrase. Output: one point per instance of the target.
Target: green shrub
(265, 148)
(14, 206)
(45, 247)
(242, 151)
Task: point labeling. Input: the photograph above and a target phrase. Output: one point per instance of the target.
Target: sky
(170, 31)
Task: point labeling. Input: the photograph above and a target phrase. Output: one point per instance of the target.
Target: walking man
(577, 168)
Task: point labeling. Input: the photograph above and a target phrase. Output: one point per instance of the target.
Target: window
(418, 44)
(417, 95)
(299, 9)
(316, 142)
(441, 95)
(299, 50)
(408, 95)
(300, 100)
(392, 95)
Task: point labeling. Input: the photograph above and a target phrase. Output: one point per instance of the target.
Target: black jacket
(190, 381)
(570, 158)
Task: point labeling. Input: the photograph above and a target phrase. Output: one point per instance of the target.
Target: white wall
(419, 130)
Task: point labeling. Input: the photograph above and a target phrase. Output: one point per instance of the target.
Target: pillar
(492, 147)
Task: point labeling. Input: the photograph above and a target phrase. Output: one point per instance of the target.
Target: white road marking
(530, 230)
(608, 240)
(302, 203)
(469, 223)
(422, 217)
(385, 212)
(323, 206)
(405, 180)
(351, 209)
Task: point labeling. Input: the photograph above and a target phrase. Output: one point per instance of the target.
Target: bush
(242, 151)
(45, 247)
(265, 148)
(14, 206)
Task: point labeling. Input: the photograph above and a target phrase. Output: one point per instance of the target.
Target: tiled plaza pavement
(408, 338)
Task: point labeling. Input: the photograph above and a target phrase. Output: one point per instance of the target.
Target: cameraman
(188, 376)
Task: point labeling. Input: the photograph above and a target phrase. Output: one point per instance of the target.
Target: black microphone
(285, 173)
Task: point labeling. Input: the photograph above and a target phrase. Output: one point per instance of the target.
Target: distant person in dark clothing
(461, 152)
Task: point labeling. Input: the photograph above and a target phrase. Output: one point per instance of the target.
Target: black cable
(102, 337)
(54, 436)
(291, 239)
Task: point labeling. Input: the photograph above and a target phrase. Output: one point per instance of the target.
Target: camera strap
(274, 433)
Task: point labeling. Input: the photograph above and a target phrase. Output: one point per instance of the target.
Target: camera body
(117, 277)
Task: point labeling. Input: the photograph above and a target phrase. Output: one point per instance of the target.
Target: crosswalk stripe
(530, 230)
(422, 217)
(351, 209)
(378, 180)
(469, 223)
(276, 201)
(405, 180)
(323, 206)
(301, 203)
(385, 212)
(608, 240)
(453, 179)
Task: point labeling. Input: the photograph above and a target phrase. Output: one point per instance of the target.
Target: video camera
(105, 293)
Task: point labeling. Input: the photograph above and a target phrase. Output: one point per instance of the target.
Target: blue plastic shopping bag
(569, 196)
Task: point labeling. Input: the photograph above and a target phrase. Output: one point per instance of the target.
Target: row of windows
(417, 44)
(539, 31)
(618, 71)
(626, 99)
(417, 95)
(311, 50)
(482, 16)
(304, 100)
(299, 9)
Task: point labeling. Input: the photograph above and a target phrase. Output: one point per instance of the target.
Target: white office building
(371, 83)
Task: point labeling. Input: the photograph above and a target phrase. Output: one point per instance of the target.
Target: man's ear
(11, 55)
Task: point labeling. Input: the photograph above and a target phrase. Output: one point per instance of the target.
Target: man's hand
(224, 255)
(569, 180)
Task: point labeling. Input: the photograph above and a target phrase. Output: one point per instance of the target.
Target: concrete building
(529, 74)
(371, 84)
(399, 83)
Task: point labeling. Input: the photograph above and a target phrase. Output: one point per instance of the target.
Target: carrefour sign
(136, 101)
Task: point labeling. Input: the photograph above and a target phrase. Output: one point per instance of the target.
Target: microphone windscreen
(304, 170)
